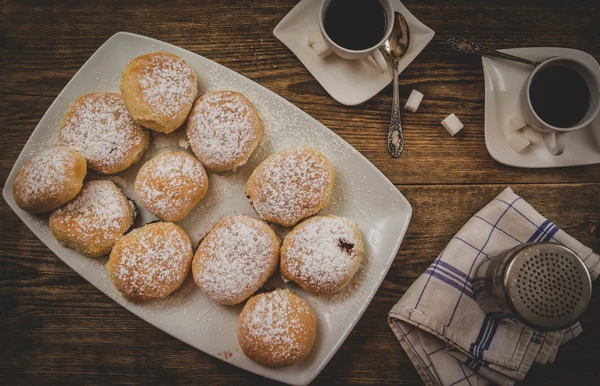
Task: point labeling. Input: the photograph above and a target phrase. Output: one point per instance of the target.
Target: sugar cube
(532, 134)
(452, 124)
(321, 48)
(314, 35)
(413, 101)
(518, 142)
(516, 123)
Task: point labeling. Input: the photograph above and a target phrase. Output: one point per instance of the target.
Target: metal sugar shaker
(545, 286)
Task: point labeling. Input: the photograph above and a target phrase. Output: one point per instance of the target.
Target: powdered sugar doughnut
(290, 185)
(93, 222)
(159, 89)
(99, 127)
(223, 129)
(235, 259)
(277, 328)
(322, 254)
(171, 184)
(48, 180)
(150, 262)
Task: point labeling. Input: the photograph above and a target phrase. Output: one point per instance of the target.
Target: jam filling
(345, 246)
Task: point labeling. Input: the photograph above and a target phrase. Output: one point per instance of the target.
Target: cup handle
(377, 61)
(555, 142)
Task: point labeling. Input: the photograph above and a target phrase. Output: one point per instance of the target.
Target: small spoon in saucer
(465, 46)
(395, 48)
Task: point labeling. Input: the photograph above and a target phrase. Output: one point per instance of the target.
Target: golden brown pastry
(277, 328)
(171, 184)
(291, 185)
(99, 127)
(151, 262)
(322, 254)
(235, 259)
(94, 220)
(159, 89)
(48, 180)
(223, 129)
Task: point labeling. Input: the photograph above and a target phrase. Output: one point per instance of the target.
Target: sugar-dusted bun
(151, 262)
(159, 89)
(277, 328)
(291, 185)
(48, 180)
(235, 259)
(223, 129)
(171, 184)
(94, 220)
(322, 254)
(99, 127)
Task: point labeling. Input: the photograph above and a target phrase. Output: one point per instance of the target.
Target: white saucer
(503, 81)
(348, 82)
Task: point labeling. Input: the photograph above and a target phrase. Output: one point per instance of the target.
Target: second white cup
(555, 138)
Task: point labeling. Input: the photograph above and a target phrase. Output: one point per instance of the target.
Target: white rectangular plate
(503, 82)
(362, 193)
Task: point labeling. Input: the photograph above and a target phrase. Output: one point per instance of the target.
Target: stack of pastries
(110, 132)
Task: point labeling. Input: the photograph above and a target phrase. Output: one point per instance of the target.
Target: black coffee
(559, 96)
(355, 24)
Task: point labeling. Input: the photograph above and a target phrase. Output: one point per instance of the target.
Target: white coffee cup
(555, 137)
(372, 54)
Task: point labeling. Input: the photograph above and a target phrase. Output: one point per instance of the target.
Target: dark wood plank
(57, 328)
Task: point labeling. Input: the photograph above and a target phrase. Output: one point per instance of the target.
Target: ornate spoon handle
(465, 46)
(395, 136)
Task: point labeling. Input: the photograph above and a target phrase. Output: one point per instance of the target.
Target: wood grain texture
(57, 328)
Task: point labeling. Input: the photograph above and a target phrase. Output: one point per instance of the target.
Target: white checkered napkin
(438, 322)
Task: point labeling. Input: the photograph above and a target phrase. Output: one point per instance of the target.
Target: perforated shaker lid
(547, 285)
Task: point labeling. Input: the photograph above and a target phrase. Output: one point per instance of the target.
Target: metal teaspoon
(394, 48)
(465, 46)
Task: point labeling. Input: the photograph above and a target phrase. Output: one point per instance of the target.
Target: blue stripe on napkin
(450, 280)
(486, 333)
(539, 231)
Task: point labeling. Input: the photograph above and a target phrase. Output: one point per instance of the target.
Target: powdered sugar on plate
(223, 187)
(341, 305)
(99, 127)
(176, 139)
(120, 181)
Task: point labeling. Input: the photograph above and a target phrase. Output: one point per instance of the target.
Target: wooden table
(57, 328)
